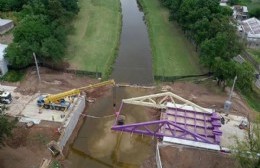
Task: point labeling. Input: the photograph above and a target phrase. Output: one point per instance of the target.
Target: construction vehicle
(58, 102)
(5, 97)
(243, 124)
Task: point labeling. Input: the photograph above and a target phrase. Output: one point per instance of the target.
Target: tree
(12, 5)
(71, 5)
(18, 55)
(5, 125)
(246, 151)
(233, 2)
(245, 77)
(255, 13)
(223, 70)
(225, 45)
(33, 30)
(52, 49)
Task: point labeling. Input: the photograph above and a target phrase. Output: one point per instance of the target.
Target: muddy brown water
(96, 145)
(134, 62)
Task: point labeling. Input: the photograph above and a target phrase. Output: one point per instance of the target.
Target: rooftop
(251, 26)
(4, 21)
(245, 9)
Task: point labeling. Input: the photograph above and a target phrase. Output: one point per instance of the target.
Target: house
(240, 12)
(251, 31)
(223, 3)
(5, 25)
(3, 62)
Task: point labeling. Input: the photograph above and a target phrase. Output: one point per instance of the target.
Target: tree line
(42, 28)
(209, 26)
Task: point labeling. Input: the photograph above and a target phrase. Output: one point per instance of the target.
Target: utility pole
(228, 102)
(37, 68)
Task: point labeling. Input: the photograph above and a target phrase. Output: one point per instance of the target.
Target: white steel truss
(160, 101)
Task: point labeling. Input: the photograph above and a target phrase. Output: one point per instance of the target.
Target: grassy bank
(255, 53)
(253, 98)
(173, 54)
(93, 44)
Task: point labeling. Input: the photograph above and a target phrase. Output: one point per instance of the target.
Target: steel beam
(159, 101)
(141, 128)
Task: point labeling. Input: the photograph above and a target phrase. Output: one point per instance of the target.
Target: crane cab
(62, 105)
(5, 97)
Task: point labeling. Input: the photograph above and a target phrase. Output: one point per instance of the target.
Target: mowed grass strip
(95, 39)
(173, 54)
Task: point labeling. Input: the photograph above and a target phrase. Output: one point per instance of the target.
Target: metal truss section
(175, 123)
(160, 101)
(181, 120)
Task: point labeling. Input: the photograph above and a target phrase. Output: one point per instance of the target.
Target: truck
(58, 102)
(5, 97)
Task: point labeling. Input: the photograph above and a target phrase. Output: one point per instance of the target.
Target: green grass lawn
(93, 44)
(255, 53)
(253, 4)
(173, 55)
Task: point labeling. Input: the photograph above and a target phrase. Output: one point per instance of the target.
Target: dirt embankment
(190, 157)
(27, 146)
(51, 82)
(209, 95)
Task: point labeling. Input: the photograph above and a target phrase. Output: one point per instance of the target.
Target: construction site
(92, 123)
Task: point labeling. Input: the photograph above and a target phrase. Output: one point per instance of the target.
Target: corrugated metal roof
(4, 21)
(251, 26)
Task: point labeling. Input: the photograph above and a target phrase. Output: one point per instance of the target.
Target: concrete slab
(7, 88)
(26, 120)
(231, 130)
(167, 140)
(31, 110)
(25, 106)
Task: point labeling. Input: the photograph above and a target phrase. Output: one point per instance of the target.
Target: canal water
(134, 62)
(96, 145)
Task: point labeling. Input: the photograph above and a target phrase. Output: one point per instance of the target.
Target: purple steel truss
(178, 123)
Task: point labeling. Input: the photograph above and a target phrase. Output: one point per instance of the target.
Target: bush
(13, 76)
(55, 164)
(255, 13)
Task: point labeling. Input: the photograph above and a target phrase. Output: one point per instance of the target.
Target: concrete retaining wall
(75, 112)
(158, 157)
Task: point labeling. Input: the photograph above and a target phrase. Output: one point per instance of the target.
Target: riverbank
(94, 42)
(173, 54)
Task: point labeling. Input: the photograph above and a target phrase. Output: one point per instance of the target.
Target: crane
(57, 101)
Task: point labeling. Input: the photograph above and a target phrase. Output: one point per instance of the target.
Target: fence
(60, 69)
(174, 78)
